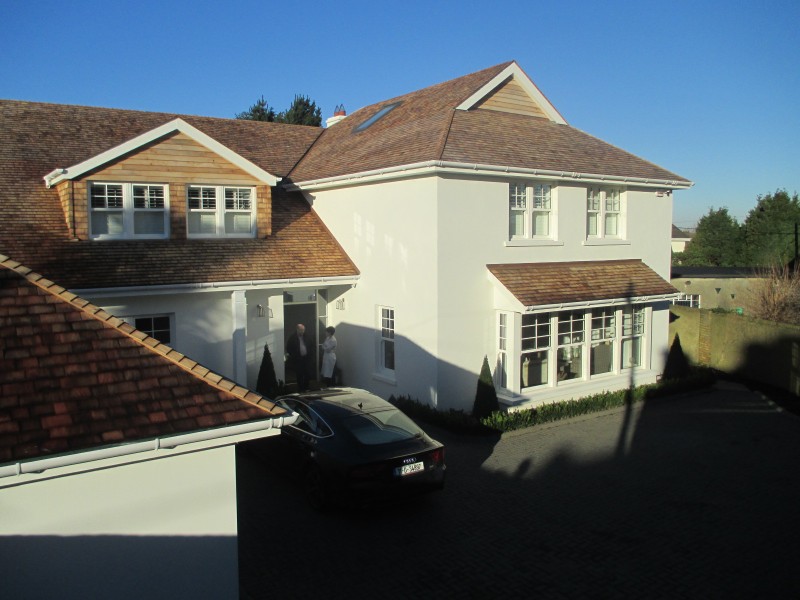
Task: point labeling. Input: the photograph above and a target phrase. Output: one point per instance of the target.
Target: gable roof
(445, 125)
(35, 138)
(136, 143)
(537, 285)
(74, 377)
(678, 233)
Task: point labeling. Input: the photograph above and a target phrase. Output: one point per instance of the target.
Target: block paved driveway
(695, 496)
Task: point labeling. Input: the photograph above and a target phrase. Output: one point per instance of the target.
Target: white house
(484, 225)
(416, 226)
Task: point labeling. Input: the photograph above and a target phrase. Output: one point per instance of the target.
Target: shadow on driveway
(693, 496)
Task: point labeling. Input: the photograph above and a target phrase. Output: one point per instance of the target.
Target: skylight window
(377, 116)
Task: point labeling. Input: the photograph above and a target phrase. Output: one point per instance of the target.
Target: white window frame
(501, 369)
(386, 361)
(572, 335)
(217, 215)
(690, 300)
(535, 337)
(602, 203)
(529, 200)
(127, 210)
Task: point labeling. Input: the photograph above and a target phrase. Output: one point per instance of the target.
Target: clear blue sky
(707, 89)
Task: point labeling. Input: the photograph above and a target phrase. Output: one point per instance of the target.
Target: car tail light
(437, 456)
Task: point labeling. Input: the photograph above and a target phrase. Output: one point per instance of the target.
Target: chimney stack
(338, 115)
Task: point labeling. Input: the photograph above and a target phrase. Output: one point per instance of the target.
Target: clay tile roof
(426, 126)
(540, 284)
(73, 377)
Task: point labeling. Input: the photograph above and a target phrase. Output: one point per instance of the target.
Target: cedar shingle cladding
(36, 222)
(73, 377)
(538, 284)
(427, 126)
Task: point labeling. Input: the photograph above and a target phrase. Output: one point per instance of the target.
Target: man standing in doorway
(299, 355)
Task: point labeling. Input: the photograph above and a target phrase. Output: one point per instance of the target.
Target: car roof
(342, 400)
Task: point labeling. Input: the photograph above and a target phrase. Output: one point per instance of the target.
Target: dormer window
(220, 211)
(128, 211)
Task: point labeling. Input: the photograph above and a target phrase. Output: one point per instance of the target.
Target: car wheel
(316, 490)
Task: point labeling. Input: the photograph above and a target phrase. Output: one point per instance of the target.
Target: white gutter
(168, 443)
(434, 167)
(537, 308)
(219, 286)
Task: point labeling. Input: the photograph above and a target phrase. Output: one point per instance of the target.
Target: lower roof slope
(73, 377)
(543, 284)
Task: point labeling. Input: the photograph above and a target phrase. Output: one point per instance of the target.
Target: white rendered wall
(158, 528)
(203, 326)
(390, 233)
(422, 247)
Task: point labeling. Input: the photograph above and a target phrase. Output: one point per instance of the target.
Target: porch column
(239, 336)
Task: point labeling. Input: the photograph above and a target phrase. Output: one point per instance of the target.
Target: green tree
(769, 229)
(716, 242)
(260, 111)
(485, 395)
(303, 111)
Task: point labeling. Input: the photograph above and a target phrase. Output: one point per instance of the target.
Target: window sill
(606, 242)
(527, 243)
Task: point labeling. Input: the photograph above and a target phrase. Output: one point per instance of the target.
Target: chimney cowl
(338, 114)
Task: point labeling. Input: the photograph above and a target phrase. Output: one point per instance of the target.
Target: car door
(302, 439)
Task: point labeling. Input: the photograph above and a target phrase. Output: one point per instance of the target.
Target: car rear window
(382, 427)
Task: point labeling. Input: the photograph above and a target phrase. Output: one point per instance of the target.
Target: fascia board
(513, 70)
(139, 141)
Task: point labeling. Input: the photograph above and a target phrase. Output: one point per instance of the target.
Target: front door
(306, 314)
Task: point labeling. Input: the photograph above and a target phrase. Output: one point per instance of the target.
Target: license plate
(409, 469)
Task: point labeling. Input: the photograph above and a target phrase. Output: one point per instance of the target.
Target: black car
(350, 445)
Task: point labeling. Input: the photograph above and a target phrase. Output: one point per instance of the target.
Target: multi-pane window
(603, 212)
(502, 350)
(604, 330)
(386, 340)
(529, 210)
(692, 300)
(157, 327)
(633, 320)
(535, 338)
(570, 345)
(128, 210)
(220, 211)
(565, 347)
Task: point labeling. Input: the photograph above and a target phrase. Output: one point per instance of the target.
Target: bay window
(565, 347)
(220, 211)
(128, 211)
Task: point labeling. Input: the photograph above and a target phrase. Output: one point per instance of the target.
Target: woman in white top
(329, 356)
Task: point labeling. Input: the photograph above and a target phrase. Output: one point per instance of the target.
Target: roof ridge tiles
(165, 351)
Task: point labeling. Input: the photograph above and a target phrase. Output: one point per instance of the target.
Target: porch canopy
(563, 285)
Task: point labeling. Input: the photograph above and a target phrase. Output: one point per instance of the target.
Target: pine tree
(303, 111)
(260, 111)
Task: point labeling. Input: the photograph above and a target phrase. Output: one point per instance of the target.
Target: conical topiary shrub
(485, 395)
(267, 384)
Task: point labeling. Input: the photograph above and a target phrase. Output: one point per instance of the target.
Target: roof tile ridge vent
(213, 379)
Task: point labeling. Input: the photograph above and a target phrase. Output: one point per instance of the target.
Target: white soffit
(513, 71)
(153, 135)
